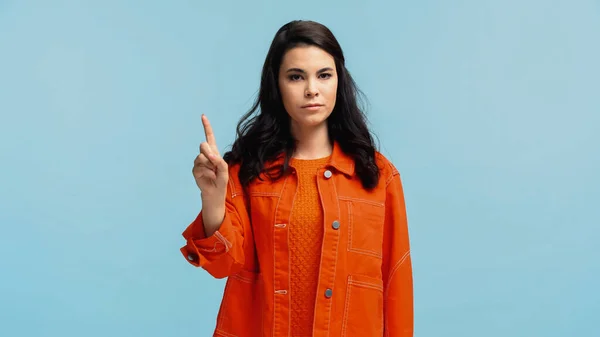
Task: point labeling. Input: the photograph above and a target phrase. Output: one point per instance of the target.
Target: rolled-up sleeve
(221, 254)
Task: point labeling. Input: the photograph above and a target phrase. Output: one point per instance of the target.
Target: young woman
(303, 215)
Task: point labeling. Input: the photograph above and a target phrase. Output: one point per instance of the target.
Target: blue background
(490, 109)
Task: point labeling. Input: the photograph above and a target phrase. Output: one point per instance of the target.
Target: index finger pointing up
(208, 131)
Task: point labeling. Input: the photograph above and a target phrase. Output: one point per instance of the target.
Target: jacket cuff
(201, 250)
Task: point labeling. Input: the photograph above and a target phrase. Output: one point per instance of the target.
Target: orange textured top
(305, 239)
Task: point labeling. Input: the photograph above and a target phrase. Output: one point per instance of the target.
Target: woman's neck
(313, 143)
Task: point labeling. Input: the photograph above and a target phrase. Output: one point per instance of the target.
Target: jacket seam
(387, 288)
(220, 318)
(389, 179)
(367, 285)
(394, 173)
(396, 267)
(264, 194)
(350, 224)
(233, 190)
(320, 258)
(347, 305)
(223, 333)
(366, 201)
(288, 249)
(337, 251)
(242, 279)
(274, 256)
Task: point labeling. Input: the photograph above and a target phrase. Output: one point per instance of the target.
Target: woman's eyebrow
(304, 72)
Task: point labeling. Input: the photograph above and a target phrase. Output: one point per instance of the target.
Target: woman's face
(308, 85)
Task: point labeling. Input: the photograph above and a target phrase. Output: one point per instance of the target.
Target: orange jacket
(365, 278)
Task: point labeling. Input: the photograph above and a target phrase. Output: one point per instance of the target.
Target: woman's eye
(325, 75)
(295, 77)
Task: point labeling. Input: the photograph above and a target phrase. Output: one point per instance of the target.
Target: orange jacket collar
(338, 160)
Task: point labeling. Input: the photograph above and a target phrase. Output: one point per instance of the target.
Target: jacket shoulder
(387, 168)
(234, 185)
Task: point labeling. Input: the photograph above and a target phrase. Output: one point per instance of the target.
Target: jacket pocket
(366, 223)
(363, 309)
(240, 313)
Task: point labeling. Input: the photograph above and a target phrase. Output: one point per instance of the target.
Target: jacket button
(327, 174)
(335, 224)
(328, 293)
